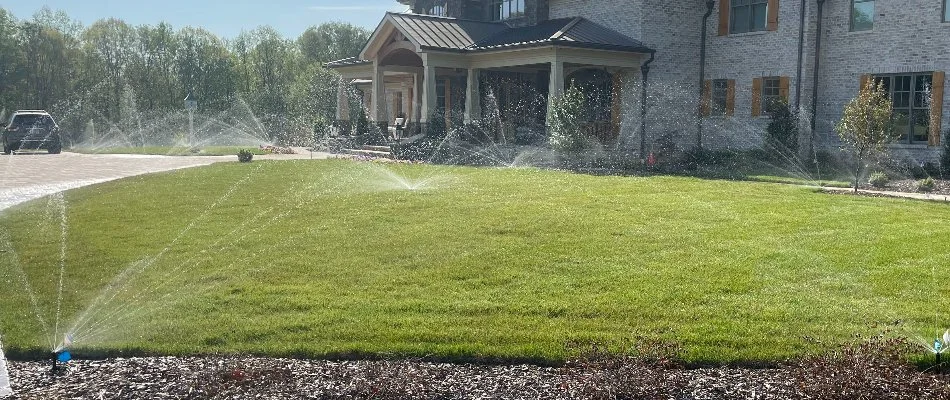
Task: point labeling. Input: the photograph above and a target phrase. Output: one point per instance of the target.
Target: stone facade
(908, 36)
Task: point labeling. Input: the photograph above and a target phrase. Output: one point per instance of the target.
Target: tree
(332, 41)
(866, 126)
(565, 121)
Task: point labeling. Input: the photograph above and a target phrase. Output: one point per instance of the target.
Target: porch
(502, 79)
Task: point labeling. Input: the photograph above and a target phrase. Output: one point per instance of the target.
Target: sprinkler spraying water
(61, 354)
(939, 346)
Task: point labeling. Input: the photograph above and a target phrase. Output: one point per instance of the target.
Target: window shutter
(864, 82)
(724, 17)
(707, 96)
(772, 22)
(756, 97)
(783, 88)
(731, 98)
(936, 107)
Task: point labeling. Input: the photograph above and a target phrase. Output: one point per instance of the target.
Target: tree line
(121, 76)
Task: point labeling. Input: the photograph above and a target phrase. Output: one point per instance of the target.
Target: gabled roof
(443, 33)
(459, 35)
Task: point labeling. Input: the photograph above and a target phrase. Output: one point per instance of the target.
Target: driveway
(29, 175)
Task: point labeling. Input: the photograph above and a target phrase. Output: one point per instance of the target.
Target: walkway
(30, 175)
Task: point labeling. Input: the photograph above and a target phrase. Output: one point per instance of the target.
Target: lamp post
(191, 104)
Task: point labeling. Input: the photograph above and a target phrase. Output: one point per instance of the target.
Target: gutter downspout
(814, 89)
(644, 73)
(801, 59)
(702, 73)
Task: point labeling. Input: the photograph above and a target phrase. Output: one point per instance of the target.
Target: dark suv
(31, 129)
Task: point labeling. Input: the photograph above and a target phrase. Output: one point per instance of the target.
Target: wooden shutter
(731, 98)
(724, 17)
(707, 97)
(936, 107)
(772, 22)
(783, 88)
(864, 82)
(756, 97)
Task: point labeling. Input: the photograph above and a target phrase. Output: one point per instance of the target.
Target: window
(771, 92)
(720, 93)
(946, 10)
(911, 97)
(506, 9)
(748, 15)
(437, 10)
(862, 15)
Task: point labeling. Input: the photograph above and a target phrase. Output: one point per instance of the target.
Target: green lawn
(169, 150)
(324, 258)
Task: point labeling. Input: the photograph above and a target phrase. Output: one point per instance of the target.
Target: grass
(327, 259)
(169, 150)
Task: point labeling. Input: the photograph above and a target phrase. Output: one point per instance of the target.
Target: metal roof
(460, 35)
(574, 32)
(445, 33)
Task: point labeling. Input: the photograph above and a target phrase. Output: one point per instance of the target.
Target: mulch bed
(268, 378)
(942, 187)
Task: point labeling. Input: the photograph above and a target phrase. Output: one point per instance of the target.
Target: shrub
(666, 147)
(874, 369)
(435, 127)
(782, 132)
(926, 185)
(867, 126)
(565, 121)
(879, 179)
(945, 154)
(245, 155)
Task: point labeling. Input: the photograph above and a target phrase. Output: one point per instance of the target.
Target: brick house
(437, 60)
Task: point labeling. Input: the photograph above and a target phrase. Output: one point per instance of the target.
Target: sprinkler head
(61, 361)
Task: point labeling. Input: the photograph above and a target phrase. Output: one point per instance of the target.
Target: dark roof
(575, 32)
(452, 34)
(444, 33)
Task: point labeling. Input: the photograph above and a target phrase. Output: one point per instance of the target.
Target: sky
(224, 18)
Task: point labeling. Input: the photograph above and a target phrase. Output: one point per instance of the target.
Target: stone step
(368, 153)
(385, 149)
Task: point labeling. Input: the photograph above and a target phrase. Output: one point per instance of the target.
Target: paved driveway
(26, 176)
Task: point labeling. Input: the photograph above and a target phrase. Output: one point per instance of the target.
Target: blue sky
(224, 18)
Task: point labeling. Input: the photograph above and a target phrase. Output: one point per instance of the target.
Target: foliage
(926, 185)
(119, 75)
(945, 155)
(245, 156)
(665, 148)
(876, 368)
(435, 126)
(867, 126)
(566, 121)
(879, 179)
(782, 132)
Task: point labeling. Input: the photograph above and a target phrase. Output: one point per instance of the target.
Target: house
(707, 70)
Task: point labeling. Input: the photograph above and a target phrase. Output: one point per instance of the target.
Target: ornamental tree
(867, 126)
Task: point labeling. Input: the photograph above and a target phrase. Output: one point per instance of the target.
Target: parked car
(31, 129)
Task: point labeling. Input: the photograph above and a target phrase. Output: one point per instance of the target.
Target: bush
(926, 185)
(565, 121)
(879, 179)
(245, 155)
(435, 128)
(945, 154)
(782, 132)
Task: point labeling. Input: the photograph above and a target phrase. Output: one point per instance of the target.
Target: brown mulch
(942, 187)
(268, 378)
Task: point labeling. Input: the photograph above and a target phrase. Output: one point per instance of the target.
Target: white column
(379, 95)
(428, 92)
(556, 83)
(417, 98)
(472, 96)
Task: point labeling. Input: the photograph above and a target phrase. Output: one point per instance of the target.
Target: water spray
(61, 355)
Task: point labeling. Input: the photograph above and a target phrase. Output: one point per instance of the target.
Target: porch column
(342, 107)
(379, 98)
(473, 106)
(428, 93)
(417, 98)
(555, 84)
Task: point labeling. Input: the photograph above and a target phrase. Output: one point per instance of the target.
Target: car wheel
(6, 148)
(55, 149)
